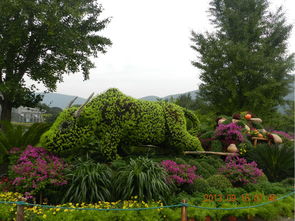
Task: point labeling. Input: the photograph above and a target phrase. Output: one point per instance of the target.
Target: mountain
(174, 96)
(60, 100)
(150, 98)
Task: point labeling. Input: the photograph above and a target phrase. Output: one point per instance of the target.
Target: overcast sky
(151, 52)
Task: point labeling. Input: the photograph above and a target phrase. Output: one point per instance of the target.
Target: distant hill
(150, 98)
(60, 100)
(174, 96)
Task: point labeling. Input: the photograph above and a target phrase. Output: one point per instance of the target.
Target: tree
(43, 40)
(244, 64)
(51, 112)
(186, 101)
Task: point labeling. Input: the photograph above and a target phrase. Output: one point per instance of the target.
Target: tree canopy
(244, 64)
(43, 40)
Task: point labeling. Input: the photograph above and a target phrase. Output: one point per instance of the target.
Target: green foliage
(281, 208)
(51, 112)
(88, 182)
(208, 167)
(219, 182)
(18, 136)
(276, 161)
(200, 185)
(143, 178)
(186, 101)
(237, 191)
(207, 134)
(200, 170)
(116, 120)
(267, 188)
(216, 146)
(215, 161)
(44, 40)
(290, 182)
(244, 63)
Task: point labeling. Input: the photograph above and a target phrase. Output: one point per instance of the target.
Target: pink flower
(35, 168)
(179, 173)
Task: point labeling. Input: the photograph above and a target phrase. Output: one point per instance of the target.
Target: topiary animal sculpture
(116, 119)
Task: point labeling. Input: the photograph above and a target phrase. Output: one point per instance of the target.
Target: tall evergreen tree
(244, 64)
(44, 40)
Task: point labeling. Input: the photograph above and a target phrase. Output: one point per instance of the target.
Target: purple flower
(179, 173)
(35, 168)
(284, 134)
(239, 171)
(230, 133)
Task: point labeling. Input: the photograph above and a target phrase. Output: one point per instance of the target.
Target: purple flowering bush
(229, 133)
(179, 174)
(283, 134)
(239, 171)
(36, 168)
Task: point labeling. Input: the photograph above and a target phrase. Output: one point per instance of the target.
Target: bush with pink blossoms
(35, 169)
(239, 171)
(283, 134)
(179, 173)
(229, 133)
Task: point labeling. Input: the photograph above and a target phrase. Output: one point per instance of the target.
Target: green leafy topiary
(116, 119)
(219, 182)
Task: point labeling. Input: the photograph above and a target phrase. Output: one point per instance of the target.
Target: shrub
(237, 191)
(288, 181)
(215, 161)
(208, 167)
(229, 133)
(201, 170)
(143, 178)
(283, 134)
(35, 169)
(239, 172)
(216, 146)
(213, 190)
(276, 161)
(16, 136)
(266, 188)
(219, 182)
(179, 160)
(89, 182)
(200, 185)
(179, 174)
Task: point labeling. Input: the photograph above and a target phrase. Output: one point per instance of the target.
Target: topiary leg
(109, 144)
(183, 140)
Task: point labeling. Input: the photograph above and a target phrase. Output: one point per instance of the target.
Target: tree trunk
(6, 109)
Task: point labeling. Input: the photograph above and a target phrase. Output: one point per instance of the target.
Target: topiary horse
(116, 119)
